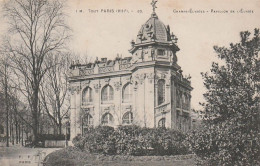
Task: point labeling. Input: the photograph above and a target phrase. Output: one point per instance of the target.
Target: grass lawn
(73, 157)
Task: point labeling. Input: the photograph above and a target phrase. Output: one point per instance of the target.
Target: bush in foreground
(132, 140)
(72, 156)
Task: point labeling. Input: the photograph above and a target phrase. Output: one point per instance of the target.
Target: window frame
(110, 119)
(89, 122)
(109, 94)
(129, 117)
(161, 51)
(87, 99)
(129, 98)
(160, 95)
(162, 123)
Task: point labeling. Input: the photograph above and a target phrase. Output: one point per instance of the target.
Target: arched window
(128, 118)
(127, 93)
(161, 122)
(161, 92)
(107, 119)
(87, 96)
(87, 120)
(107, 93)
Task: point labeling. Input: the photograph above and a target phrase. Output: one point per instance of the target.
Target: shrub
(132, 140)
(79, 141)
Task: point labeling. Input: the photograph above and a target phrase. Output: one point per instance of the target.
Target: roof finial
(153, 3)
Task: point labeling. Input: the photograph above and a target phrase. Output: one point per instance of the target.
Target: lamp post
(66, 118)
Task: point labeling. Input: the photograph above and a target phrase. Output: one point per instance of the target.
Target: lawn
(72, 156)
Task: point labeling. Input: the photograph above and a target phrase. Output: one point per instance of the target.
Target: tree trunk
(60, 126)
(12, 132)
(19, 134)
(6, 108)
(16, 130)
(22, 134)
(35, 117)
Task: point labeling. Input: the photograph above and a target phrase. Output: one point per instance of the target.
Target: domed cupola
(154, 41)
(153, 30)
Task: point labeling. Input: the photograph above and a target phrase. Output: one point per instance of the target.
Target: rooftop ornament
(153, 3)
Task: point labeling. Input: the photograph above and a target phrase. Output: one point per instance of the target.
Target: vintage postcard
(115, 82)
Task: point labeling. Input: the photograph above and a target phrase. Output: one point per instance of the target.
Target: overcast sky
(100, 34)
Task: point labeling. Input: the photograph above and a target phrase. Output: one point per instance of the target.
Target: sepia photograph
(129, 82)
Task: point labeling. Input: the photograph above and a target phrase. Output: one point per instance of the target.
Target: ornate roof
(153, 30)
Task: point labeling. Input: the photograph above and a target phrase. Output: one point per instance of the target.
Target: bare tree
(37, 30)
(5, 86)
(54, 96)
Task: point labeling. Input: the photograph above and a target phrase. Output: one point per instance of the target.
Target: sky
(105, 34)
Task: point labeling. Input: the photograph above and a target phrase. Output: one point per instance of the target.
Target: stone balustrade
(106, 69)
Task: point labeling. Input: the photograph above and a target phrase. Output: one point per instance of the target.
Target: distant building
(146, 89)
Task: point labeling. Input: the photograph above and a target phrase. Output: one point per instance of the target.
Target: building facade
(146, 89)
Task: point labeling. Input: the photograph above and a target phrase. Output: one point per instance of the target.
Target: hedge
(132, 140)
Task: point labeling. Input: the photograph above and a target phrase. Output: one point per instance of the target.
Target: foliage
(230, 133)
(132, 140)
(74, 156)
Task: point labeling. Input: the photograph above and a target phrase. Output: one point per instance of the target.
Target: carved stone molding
(159, 76)
(140, 78)
(107, 80)
(109, 108)
(150, 77)
(84, 72)
(74, 89)
(85, 83)
(106, 69)
(125, 66)
(85, 111)
(117, 85)
(127, 108)
(128, 78)
(135, 86)
(97, 87)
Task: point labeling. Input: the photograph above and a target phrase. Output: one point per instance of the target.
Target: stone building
(146, 89)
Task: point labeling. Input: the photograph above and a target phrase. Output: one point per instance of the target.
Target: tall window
(161, 122)
(107, 119)
(186, 102)
(178, 100)
(161, 92)
(87, 96)
(107, 93)
(127, 93)
(87, 120)
(128, 118)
